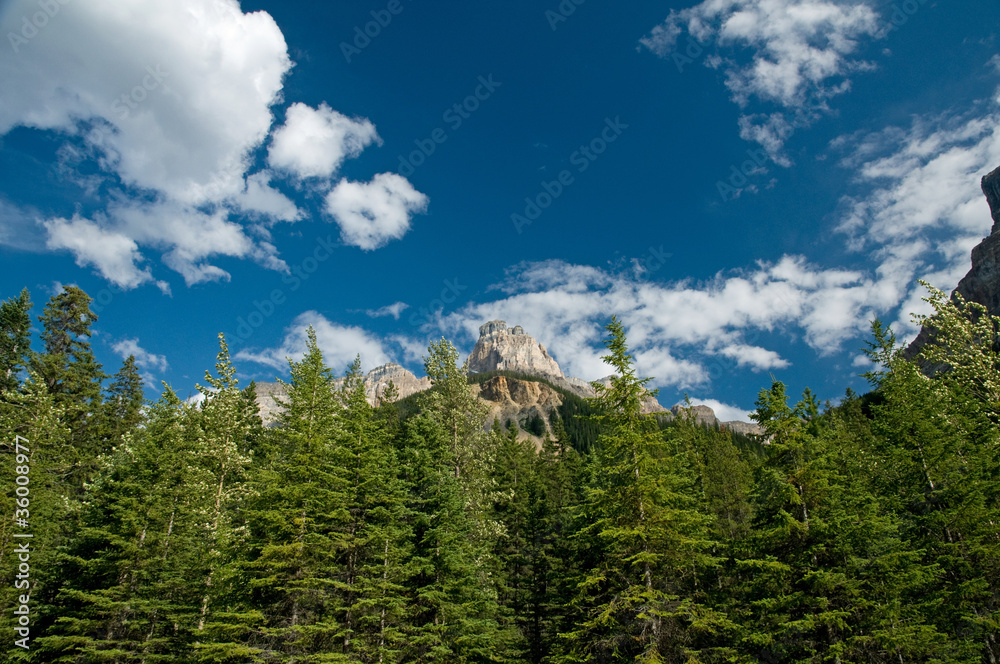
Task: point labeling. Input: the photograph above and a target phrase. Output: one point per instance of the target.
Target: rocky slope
(499, 348)
(982, 283)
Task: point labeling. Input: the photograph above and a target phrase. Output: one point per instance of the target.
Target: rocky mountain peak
(500, 348)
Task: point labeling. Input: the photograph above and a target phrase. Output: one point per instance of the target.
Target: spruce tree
(15, 340)
(638, 597)
(73, 376)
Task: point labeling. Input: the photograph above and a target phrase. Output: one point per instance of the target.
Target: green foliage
(408, 532)
(15, 339)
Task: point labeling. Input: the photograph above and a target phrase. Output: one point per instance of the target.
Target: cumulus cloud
(143, 358)
(339, 344)
(723, 411)
(113, 255)
(370, 214)
(682, 333)
(801, 54)
(162, 106)
(314, 142)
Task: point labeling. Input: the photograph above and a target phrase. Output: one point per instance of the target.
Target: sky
(746, 184)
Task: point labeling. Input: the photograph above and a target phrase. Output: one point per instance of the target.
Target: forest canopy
(175, 531)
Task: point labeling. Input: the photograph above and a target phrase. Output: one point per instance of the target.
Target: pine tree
(122, 408)
(224, 450)
(15, 340)
(34, 443)
(72, 376)
(453, 608)
(638, 601)
(373, 569)
(126, 590)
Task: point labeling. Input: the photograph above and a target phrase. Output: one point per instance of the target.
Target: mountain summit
(502, 348)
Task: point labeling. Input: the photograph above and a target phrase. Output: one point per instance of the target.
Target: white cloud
(371, 214)
(683, 334)
(113, 255)
(183, 87)
(759, 359)
(921, 210)
(262, 198)
(162, 105)
(724, 412)
(802, 53)
(143, 358)
(314, 142)
(189, 236)
(339, 344)
(167, 98)
(394, 310)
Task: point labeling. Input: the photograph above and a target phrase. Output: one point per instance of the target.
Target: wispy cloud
(801, 54)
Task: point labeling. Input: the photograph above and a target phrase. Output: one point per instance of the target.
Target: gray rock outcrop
(500, 348)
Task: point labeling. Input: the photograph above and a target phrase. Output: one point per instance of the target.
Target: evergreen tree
(34, 444)
(72, 376)
(126, 590)
(15, 339)
(373, 566)
(224, 449)
(639, 601)
(453, 609)
(122, 407)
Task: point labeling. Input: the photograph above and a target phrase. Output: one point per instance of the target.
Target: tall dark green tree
(638, 600)
(15, 339)
(454, 615)
(73, 376)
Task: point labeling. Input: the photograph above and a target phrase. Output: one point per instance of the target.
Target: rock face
(512, 399)
(982, 283)
(705, 416)
(267, 395)
(375, 382)
(500, 348)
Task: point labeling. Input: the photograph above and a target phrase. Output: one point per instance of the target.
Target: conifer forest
(174, 530)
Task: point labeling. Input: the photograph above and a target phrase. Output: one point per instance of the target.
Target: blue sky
(745, 183)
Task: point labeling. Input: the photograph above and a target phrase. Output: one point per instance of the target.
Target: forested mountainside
(416, 531)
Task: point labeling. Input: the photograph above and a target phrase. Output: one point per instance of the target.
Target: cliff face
(515, 400)
(500, 348)
(375, 382)
(982, 283)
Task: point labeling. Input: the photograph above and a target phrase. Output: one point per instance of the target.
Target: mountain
(500, 348)
(513, 397)
(982, 283)
(375, 382)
